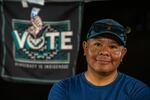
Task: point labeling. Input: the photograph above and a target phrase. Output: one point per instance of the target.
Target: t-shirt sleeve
(57, 92)
(141, 92)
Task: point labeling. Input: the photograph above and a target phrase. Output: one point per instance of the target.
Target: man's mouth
(103, 59)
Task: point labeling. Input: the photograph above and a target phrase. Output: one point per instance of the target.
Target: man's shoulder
(70, 80)
(134, 87)
(131, 81)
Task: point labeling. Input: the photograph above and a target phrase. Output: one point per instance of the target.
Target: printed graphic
(41, 42)
(40, 45)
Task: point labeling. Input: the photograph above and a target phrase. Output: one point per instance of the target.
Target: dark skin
(103, 56)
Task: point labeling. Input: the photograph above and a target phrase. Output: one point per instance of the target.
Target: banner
(40, 41)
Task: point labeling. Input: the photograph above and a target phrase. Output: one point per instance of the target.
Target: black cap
(108, 27)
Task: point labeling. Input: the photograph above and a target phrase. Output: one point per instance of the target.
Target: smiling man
(104, 49)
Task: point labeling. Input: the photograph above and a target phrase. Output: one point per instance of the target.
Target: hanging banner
(40, 41)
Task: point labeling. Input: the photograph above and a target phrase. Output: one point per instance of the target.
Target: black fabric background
(50, 12)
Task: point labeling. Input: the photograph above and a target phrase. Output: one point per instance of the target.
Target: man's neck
(101, 79)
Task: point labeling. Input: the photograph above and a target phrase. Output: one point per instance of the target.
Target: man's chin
(106, 71)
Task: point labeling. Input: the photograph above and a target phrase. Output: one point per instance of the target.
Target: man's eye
(113, 46)
(97, 44)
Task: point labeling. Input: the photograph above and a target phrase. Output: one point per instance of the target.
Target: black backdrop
(136, 62)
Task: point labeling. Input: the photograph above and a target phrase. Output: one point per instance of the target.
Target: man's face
(103, 54)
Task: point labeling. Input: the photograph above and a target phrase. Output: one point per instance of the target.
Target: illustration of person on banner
(104, 49)
(37, 24)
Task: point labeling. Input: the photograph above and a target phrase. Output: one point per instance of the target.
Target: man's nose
(104, 51)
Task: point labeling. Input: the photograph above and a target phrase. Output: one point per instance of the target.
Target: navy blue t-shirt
(78, 88)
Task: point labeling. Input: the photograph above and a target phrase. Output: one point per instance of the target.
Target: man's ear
(84, 45)
(124, 51)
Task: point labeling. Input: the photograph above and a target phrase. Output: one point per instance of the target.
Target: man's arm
(58, 92)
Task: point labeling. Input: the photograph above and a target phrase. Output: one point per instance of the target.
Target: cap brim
(108, 34)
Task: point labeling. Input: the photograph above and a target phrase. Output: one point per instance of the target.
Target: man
(104, 49)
